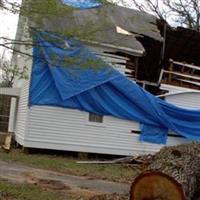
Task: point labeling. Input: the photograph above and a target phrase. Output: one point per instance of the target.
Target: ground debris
(137, 160)
(6, 196)
(53, 185)
(110, 197)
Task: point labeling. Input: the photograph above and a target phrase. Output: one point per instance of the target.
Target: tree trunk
(174, 174)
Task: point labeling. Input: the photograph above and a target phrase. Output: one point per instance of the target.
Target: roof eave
(135, 52)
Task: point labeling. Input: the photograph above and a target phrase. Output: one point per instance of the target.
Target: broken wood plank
(115, 161)
(7, 143)
(185, 65)
(180, 74)
(126, 160)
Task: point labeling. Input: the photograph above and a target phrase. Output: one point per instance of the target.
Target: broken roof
(101, 25)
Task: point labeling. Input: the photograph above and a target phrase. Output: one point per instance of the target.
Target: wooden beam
(14, 92)
(185, 65)
(180, 74)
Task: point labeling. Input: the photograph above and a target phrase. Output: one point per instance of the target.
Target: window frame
(95, 118)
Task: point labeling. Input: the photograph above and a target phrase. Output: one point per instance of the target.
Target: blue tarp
(65, 76)
(82, 4)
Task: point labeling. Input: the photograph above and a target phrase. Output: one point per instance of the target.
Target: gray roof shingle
(99, 25)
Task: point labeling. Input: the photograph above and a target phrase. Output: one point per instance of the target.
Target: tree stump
(173, 174)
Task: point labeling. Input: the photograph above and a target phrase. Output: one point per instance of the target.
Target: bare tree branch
(9, 72)
(185, 12)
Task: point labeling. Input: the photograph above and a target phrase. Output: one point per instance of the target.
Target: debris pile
(176, 168)
(6, 196)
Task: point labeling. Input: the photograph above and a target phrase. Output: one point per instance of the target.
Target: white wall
(189, 100)
(22, 109)
(69, 129)
(22, 114)
(19, 110)
(13, 115)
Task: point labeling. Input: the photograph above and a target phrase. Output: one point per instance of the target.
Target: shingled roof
(100, 25)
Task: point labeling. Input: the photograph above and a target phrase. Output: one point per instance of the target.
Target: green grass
(112, 172)
(29, 192)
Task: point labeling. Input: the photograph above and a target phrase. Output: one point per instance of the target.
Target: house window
(95, 118)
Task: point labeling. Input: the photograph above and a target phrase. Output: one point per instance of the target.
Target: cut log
(174, 174)
(154, 185)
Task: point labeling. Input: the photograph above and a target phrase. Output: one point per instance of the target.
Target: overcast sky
(8, 25)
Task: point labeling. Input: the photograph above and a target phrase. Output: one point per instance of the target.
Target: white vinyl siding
(22, 60)
(189, 100)
(22, 114)
(68, 129)
(14, 92)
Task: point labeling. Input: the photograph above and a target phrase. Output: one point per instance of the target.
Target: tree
(37, 11)
(181, 12)
(9, 72)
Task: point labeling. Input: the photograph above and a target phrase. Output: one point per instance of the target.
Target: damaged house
(143, 47)
(103, 110)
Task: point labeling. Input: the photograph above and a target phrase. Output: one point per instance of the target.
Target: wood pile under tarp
(173, 174)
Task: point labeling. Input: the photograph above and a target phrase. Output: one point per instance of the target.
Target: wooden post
(171, 66)
(136, 67)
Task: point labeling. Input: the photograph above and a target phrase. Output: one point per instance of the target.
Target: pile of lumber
(172, 174)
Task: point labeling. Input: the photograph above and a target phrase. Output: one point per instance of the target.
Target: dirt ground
(6, 196)
(79, 187)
